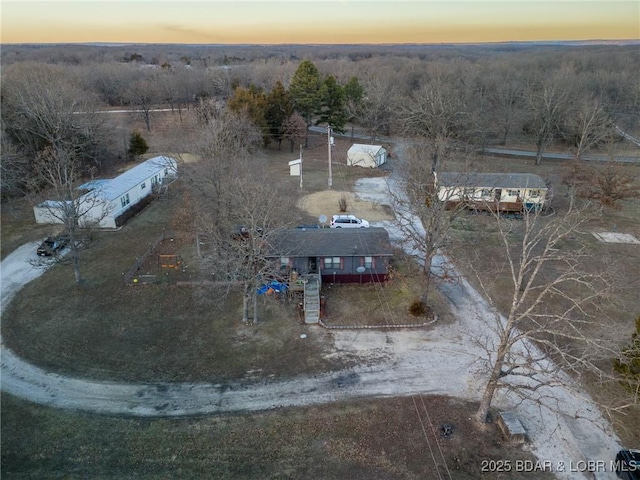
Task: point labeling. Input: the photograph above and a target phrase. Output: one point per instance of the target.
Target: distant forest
(483, 94)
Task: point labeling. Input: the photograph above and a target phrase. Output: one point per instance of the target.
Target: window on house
(143, 185)
(332, 262)
(534, 193)
(284, 262)
(513, 193)
(368, 262)
(124, 200)
(486, 193)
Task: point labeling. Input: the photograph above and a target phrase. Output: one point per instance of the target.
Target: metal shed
(369, 156)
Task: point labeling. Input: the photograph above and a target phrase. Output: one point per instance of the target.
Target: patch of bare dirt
(327, 203)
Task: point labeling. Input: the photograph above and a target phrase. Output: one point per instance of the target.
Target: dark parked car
(628, 464)
(52, 245)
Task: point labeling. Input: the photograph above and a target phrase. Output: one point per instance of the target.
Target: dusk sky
(313, 21)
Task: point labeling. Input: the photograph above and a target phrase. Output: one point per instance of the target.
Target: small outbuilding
(506, 192)
(369, 156)
(107, 202)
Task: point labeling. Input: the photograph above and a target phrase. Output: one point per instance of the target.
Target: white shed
(371, 156)
(108, 199)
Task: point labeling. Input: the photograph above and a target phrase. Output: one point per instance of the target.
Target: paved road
(507, 152)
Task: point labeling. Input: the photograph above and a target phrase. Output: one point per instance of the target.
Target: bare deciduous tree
(376, 109)
(436, 113)
(547, 102)
(44, 106)
(294, 130)
(608, 185)
(553, 303)
(61, 173)
(145, 95)
(505, 94)
(242, 240)
(423, 218)
(233, 209)
(587, 124)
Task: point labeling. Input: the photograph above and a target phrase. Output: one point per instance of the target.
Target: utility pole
(329, 148)
(300, 167)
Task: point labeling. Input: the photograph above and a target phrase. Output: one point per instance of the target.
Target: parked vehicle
(348, 221)
(52, 245)
(628, 464)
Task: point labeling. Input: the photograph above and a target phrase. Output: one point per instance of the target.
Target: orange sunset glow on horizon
(317, 22)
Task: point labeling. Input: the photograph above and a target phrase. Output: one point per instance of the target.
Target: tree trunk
(485, 403)
(505, 134)
(76, 264)
(245, 305)
(255, 306)
(539, 150)
(147, 120)
(492, 384)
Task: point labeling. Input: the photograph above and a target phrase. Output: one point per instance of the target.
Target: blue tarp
(273, 287)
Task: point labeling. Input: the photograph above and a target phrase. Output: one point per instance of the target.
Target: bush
(417, 308)
(628, 364)
(342, 203)
(137, 145)
(134, 210)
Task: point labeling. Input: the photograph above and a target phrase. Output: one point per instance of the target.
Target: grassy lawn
(383, 304)
(19, 227)
(621, 263)
(105, 329)
(374, 439)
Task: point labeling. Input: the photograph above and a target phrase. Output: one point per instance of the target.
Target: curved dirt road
(401, 363)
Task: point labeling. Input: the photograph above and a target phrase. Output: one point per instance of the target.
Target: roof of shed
(491, 180)
(110, 189)
(332, 242)
(363, 148)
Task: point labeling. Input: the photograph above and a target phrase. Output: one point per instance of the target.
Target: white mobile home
(106, 201)
(511, 192)
(370, 156)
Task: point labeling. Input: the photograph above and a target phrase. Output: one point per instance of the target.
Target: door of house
(313, 265)
(497, 194)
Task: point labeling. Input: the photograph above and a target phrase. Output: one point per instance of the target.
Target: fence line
(374, 327)
(130, 276)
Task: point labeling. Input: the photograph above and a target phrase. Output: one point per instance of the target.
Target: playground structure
(159, 262)
(170, 261)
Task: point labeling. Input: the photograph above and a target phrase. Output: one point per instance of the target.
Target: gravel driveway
(438, 361)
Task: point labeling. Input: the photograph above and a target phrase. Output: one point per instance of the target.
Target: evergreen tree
(305, 90)
(332, 106)
(137, 145)
(279, 109)
(353, 101)
(253, 102)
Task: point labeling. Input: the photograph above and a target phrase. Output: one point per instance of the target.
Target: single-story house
(358, 255)
(371, 156)
(107, 200)
(508, 192)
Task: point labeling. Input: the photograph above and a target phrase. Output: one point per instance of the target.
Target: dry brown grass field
(104, 329)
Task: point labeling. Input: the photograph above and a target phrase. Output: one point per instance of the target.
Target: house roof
(372, 150)
(332, 242)
(110, 189)
(491, 180)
